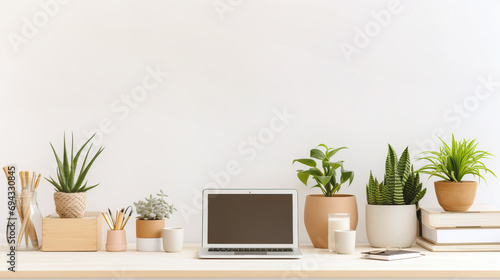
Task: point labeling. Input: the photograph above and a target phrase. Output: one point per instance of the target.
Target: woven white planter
(70, 205)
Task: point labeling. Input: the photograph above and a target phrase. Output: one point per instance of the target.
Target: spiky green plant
(67, 179)
(453, 163)
(326, 179)
(401, 183)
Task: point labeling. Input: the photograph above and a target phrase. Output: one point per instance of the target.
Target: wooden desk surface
(315, 263)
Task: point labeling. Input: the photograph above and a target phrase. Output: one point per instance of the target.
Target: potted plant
(326, 177)
(452, 164)
(151, 220)
(71, 191)
(391, 212)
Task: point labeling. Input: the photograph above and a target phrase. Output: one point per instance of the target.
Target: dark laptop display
(250, 219)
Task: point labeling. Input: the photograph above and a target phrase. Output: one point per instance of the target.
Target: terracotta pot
(391, 225)
(70, 205)
(149, 228)
(148, 233)
(455, 196)
(316, 212)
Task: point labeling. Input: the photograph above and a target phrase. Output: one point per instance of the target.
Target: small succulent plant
(154, 208)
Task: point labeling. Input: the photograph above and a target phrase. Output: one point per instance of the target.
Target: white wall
(228, 75)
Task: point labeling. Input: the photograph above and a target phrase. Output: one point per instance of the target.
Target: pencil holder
(116, 241)
(29, 222)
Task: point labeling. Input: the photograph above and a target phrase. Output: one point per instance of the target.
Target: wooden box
(73, 234)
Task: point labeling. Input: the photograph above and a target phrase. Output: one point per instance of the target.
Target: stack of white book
(477, 229)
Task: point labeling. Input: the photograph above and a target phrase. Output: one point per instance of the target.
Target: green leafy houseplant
(69, 180)
(401, 185)
(154, 208)
(453, 163)
(326, 176)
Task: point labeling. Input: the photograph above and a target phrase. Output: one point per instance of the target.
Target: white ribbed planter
(391, 225)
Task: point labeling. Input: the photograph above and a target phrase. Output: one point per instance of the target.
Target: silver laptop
(244, 223)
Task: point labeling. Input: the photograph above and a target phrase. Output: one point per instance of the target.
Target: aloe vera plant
(325, 179)
(453, 163)
(68, 180)
(401, 185)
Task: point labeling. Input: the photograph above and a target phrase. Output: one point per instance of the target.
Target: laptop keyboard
(250, 250)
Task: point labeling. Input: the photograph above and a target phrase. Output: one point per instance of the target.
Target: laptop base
(205, 254)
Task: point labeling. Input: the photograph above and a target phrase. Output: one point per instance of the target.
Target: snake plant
(326, 178)
(68, 180)
(401, 183)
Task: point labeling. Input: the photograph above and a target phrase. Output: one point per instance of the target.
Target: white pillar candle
(336, 221)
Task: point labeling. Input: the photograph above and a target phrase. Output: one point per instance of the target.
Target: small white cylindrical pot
(345, 241)
(173, 239)
(391, 225)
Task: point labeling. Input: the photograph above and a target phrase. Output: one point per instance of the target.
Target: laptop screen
(250, 219)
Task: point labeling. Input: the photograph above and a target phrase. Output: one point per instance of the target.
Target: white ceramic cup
(345, 241)
(173, 238)
(336, 221)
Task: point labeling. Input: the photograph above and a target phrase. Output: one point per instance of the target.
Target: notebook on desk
(257, 223)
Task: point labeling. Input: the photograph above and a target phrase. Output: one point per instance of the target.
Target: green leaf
(306, 161)
(86, 170)
(324, 179)
(419, 196)
(87, 189)
(319, 186)
(71, 179)
(318, 154)
(55, 184)
(303, 177)
(336, 164)
(346, 175)
(61, 177)
(74, 161)
(323, 145)
(403, 167)
(331, 153)
(314, 171)
(391, 160)
(398, 197)
(66, 165)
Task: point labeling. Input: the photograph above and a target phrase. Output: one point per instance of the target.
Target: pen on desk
(107, 221)
(111, 216)
(125, 223)
(119, 221)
